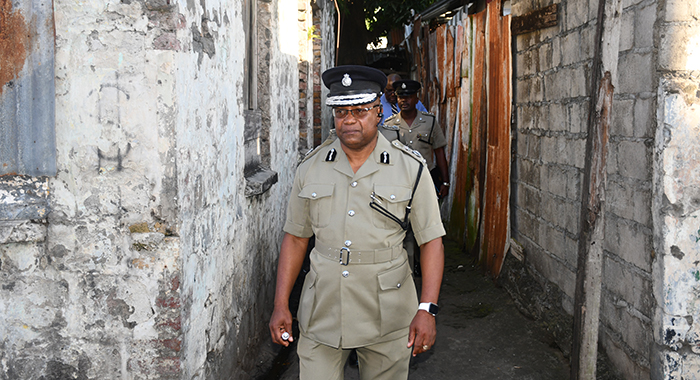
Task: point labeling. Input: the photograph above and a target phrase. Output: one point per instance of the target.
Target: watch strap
(429, 307)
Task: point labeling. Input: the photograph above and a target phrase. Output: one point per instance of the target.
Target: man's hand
(444, 191)
(281, 322)
(291, 258)
(421, 333)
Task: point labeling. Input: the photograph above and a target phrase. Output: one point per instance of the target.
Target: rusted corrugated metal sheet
(498, 157)
(467, 80)
(27, 90)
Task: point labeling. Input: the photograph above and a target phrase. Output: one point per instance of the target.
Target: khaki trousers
(381, 361)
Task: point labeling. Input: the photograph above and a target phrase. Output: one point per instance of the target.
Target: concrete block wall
(552, 79)
(143, 258)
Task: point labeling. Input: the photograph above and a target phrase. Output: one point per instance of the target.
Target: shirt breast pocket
(320, 198)
(424, 138)
(394, 199)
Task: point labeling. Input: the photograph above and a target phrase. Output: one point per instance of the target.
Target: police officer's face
(408, 102)
(356, 126)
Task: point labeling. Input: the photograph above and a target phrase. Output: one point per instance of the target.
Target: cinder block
(554, 86)
(644, 117)
(549, 208)
(576, 14)
(556, 51)
(552, 149)
(528, 117)
(577, 81)
(627, 30)
(529, 198)
(578, 116)
(570, 49)
(628, 284)
(573, 184)
(612, 237)
(529, 172)
(528, 226)
(633, 160)
(587, 42)
(644, 26)
(556, 117)
(637, 75)
(641, 208)
(555, 180)
(570, 216)
(623, 118)
(635, 244)
(529, 90)
(523, 64)
(577, 148)
(545, 56)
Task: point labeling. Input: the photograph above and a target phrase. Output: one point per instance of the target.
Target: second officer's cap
(406, 87)
(353, 85)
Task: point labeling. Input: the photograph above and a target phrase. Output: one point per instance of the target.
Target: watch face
(433, 309)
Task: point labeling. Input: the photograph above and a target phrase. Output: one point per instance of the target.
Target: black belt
(347, 255)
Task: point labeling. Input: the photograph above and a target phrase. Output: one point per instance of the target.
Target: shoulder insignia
(384, 158)
(411, 152)
(331, 155)
(331, 137)
(426, 114)
(392, 118)
(390, 127)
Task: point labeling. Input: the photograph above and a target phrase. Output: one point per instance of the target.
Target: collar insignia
(347, 81)
(331, 155)
(384, 158)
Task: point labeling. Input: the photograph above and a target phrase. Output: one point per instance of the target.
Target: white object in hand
(285, 335)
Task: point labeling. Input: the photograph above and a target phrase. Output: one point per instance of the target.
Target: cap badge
(403, 85)
(347, 81)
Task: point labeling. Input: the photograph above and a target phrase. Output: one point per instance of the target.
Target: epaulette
(331, 137)
(427, 114)
(390, 127)
(411, 152)
(392, 118)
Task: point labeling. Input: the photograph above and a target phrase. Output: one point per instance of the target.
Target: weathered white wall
(676, 209)
(152, 263)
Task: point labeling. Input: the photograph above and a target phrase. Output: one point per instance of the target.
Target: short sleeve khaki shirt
(424, 134)
(363, 302)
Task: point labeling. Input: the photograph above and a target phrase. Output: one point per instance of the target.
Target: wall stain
(118, 159)
(14, 40)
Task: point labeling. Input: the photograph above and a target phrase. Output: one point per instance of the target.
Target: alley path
(481, 335)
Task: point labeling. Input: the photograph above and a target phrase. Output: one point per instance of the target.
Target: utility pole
(590, 248)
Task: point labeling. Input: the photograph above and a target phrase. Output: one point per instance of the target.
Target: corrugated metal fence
(465, 68)
(27, 94)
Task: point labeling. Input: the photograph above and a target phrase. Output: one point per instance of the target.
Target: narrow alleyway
(481, 335)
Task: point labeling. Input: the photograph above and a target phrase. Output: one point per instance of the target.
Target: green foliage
(381, 16)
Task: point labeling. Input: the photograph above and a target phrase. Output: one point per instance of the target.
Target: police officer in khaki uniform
(357, 195)
(419, 130)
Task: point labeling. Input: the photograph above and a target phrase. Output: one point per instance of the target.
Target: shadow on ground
(481, 335)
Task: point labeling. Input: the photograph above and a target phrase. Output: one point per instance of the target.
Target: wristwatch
(446, 184)
(429, 307)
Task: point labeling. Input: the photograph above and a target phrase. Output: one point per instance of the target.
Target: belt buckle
(347, 256)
